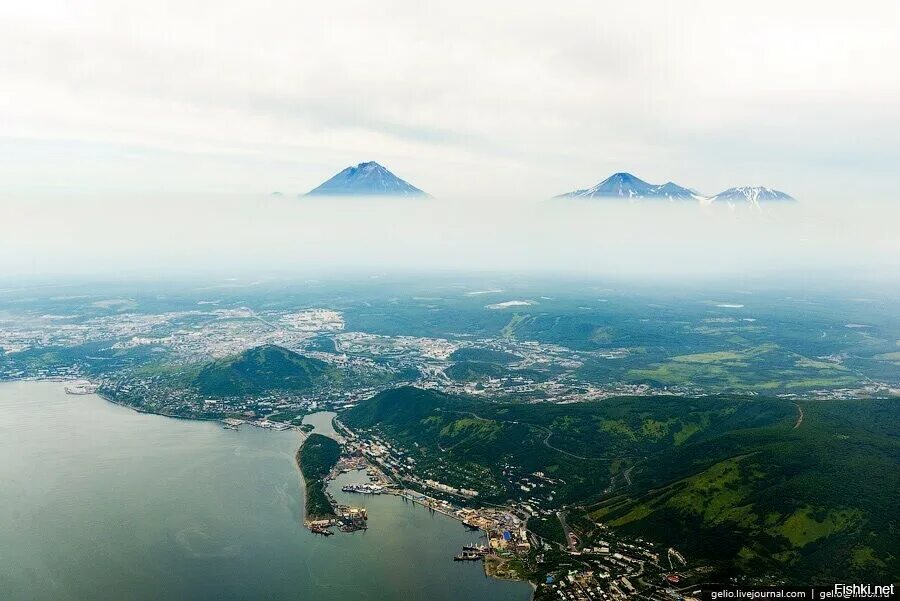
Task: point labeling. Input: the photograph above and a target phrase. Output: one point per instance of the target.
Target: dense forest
(743, 482)
(316, 457)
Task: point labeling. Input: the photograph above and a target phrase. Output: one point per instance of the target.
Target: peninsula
(316, 457)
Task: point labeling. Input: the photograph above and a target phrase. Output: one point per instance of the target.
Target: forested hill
(740, 481)
(817, 502)
(259, 370)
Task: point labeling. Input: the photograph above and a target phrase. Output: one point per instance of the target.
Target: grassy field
(763, 368)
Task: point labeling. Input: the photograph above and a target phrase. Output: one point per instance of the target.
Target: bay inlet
(98, 502)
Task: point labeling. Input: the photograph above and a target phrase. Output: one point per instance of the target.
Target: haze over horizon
(242, 234)
(130, 98)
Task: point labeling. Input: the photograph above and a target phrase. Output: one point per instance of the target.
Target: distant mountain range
(626, 186)
(373, 179)
(366, 179)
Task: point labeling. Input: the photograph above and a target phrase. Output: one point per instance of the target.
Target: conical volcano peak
(366, 179)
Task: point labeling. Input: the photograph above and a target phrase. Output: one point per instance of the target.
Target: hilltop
(260, 370)
(366, 179)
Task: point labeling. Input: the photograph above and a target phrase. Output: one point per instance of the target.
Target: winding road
(799, 416)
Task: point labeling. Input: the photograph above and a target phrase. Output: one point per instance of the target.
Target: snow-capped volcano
(366, 179)
(673, 191)
(752, 195)
(627, 186)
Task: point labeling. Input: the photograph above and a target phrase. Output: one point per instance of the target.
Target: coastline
(145, 412)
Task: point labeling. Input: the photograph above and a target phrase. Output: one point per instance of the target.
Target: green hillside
(727, 479)
(399, 407)
(820, 501)
(466, 371)
(585, 445)
(472, 364)
(261, 370)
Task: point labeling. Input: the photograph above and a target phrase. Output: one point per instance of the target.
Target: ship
(467, 556)
(320, 530)
(363, 489)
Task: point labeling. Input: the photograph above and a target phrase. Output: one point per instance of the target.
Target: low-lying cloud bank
(289, 234)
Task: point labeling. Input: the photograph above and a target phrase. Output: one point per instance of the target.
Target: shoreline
(145, 412)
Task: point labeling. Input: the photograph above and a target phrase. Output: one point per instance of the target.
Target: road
(562, 520)
(626, 474)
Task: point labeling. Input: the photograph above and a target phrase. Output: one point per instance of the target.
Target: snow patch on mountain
(752, 195)
(629, 187)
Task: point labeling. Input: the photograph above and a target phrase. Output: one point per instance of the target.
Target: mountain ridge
(625, 186)
(366, 179)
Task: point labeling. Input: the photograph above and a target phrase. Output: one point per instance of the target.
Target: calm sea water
(100, 502)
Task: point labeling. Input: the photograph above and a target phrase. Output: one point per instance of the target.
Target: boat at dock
(363, 489)
(320, 530)
(467, 556)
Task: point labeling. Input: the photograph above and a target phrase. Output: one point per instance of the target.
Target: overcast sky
(463, 98)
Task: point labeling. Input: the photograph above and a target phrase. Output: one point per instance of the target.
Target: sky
(464, 99)
(149, 136)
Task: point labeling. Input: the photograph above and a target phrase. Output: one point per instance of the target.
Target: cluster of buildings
(541, 371)
(871, 390)
(506, 531)
(468, 493)
(438, 349)
(156, 394)
(616, 568)
(595, 565)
